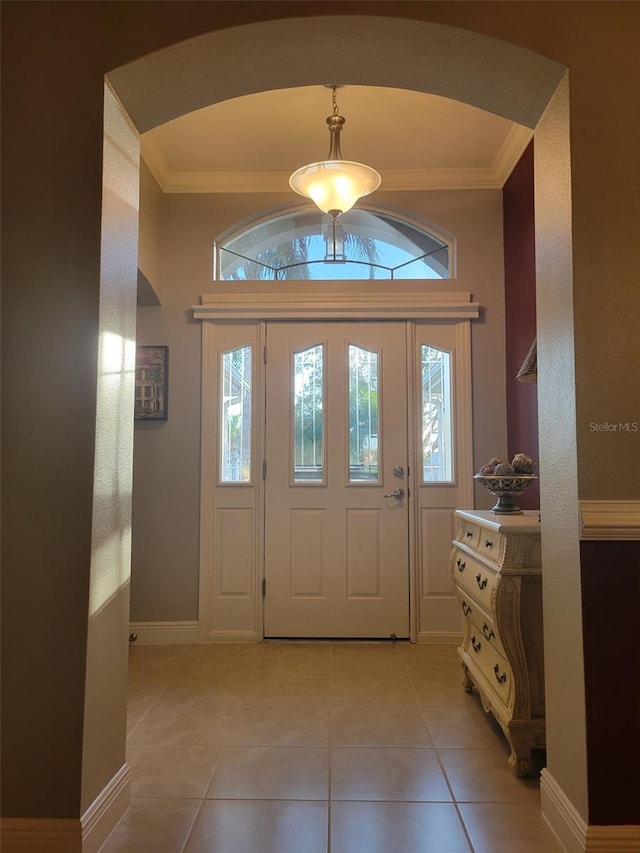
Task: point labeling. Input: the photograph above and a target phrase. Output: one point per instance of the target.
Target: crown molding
(511, 152)
(402, 180)
(153, 156)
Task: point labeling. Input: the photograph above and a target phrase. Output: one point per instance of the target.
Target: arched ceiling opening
(240, 108)
(487, 73)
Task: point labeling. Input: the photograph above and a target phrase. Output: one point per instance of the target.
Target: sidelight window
(437, 420)
(235, 415)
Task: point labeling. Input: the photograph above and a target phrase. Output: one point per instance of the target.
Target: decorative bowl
(506, 489)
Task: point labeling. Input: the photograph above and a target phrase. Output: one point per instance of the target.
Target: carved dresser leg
(467, 683)
(521, 743)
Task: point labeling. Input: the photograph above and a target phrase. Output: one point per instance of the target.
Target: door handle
(398, 494)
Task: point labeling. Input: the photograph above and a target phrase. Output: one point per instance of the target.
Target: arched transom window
(360, 244)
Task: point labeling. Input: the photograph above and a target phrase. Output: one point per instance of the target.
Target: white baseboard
(100, 819)
(449, 637)
(575, 835)
(561, 815)
(70, 835)
(165, 633)
(606, 520)
(231, 637)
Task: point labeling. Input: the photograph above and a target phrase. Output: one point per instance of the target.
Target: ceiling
(415, 140)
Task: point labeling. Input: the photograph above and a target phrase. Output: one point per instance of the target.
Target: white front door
(336, 489)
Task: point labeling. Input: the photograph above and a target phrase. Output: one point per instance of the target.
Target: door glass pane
(363, 415)
(235, 409)
(308, 415)
(437, 444)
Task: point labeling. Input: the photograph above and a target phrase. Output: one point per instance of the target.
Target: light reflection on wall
(113, 480)
(113, 475)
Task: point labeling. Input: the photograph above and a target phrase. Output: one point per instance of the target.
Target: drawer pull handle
(460, 564)
(482, 582)
(465, 608)
(488, 543)
(487, 631)
(477, 645)
(469, 534)
(499, 678)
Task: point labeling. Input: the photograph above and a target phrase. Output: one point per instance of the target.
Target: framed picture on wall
(152, 370)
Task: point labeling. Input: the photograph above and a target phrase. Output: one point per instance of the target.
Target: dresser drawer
(469, 535)
(491, 545)
(484, 628)
(469, 607)
(475, 579)
(493, 666)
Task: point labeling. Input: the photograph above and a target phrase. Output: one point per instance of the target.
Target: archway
(487, 73)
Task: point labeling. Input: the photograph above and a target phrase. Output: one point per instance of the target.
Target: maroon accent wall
(520, 314)
(611, 617)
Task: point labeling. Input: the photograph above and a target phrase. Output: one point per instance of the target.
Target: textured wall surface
(107, 658)
(560, 514)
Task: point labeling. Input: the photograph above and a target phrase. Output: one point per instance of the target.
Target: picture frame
(152, 386)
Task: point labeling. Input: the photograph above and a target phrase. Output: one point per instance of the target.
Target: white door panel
(336, 549)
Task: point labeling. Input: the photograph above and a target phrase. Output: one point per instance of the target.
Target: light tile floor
(317, 748)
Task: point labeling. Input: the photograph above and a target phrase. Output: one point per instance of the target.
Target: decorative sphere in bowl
(506, 489)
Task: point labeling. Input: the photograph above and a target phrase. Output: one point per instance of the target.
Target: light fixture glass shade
(335, 185)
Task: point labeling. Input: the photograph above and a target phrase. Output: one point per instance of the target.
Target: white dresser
(495, 567)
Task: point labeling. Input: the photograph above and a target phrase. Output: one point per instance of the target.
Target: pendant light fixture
(334, 184)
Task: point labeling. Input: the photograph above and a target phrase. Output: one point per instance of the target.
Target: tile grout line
(191, 827)
(151, 706)
(223, 750)
(439, 760)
